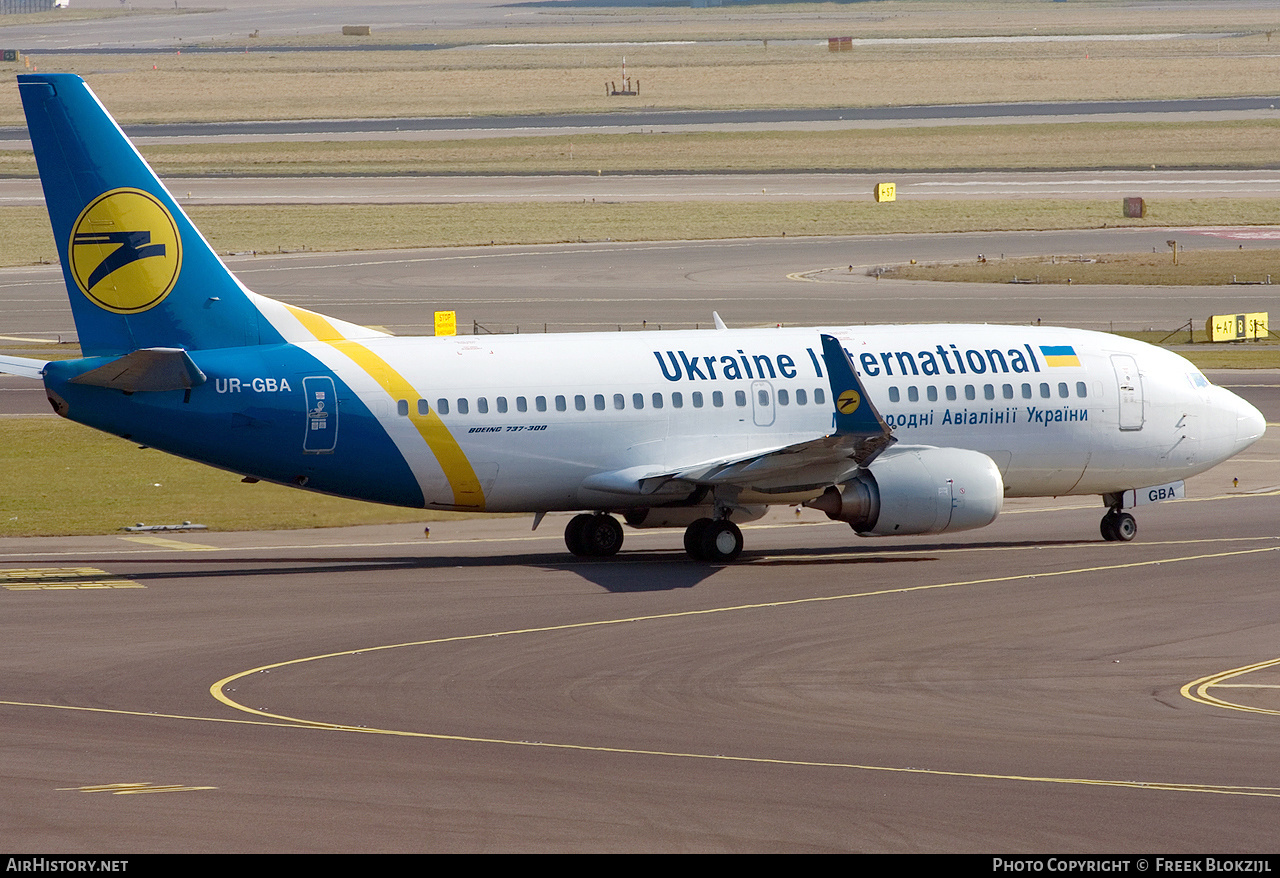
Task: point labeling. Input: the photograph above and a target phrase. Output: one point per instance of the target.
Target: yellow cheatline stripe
(216, 690)
(1198, 690)
(457, 469)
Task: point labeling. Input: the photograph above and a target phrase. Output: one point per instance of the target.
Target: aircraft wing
(859, 435)
(27, 368)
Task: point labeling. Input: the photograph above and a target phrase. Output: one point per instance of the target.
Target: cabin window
(657, 400)
(740, 397)
(482, 405)
(1044, 391)
(677, 400)
(442, 406)
(580, 402)
(913, 394)
(894, 395)
(763, 396)
(819, 397)
(951, 392)
(1007, 390)
(697, 399)
(402, 407)
(970, 392)
(540, 403)
(717, 399)
(423, 407)
(463, 408)
(522, 405)
(619, 401)
(562, 405)
(1081, 390)
(783, 399)
(502, 405)
(599, 402)
(988, 391)
(932, 393)
(802, 397)
(1063, 392)
(1026, 391)
(637, 401)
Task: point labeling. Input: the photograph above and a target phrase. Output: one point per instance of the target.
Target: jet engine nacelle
(918, 491)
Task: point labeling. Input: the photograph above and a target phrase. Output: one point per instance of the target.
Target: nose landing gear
(1118, 526)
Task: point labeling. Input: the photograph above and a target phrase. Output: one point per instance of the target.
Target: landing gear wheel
(1118, 527)
(693, 538)
(1126, 527)
(593, 536)
(721, 542)
(602, 535)
(575, 537)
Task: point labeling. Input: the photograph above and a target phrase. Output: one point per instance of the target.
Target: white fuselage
(534, 417)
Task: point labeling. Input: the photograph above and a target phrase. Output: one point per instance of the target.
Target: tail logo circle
(848, 402)
(125, 253)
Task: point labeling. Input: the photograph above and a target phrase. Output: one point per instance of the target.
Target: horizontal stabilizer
(23, 366)
(150, 369)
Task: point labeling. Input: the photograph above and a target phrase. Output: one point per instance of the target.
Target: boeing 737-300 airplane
(891, 429)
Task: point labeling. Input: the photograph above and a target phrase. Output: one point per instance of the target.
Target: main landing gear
(715, 540)
(600, 535)
(1118, 526)
(593, 536)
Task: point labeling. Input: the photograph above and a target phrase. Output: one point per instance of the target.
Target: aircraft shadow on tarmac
(633, 572)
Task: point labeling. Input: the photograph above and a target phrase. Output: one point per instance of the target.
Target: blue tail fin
(138, 272)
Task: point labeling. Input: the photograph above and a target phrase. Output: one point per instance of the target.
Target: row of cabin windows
(620, 402)
(989, 392)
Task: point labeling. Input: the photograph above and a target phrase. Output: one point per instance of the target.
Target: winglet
(855, 413)
(719, 323)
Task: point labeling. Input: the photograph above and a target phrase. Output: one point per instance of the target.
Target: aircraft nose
(1250, 424)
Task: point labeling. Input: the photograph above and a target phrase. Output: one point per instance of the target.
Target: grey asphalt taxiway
(1026, 687)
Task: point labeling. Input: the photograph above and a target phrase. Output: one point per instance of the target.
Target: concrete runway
(1027, 688)
(605, 286)
(755, 188)
(1022, 688)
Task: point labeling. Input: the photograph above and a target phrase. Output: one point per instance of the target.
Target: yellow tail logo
(125, 253)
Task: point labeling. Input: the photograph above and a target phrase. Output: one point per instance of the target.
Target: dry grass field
(1194, 267)
(738, 57)
(26, 239)
(1208, 145)
(486, 81)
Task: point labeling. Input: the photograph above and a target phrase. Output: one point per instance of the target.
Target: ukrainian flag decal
(1059, 355)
